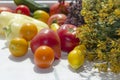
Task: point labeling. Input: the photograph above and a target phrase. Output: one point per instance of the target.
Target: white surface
(23, 68)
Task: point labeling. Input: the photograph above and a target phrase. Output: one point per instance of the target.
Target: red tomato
(57, 18)
(22, 9)
(5, 9)
(59, 8)
(67, 34)
(47, 37)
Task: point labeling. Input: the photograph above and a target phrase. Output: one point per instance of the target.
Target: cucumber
(32, 5)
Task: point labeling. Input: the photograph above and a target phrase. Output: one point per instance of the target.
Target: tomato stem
(61, 2)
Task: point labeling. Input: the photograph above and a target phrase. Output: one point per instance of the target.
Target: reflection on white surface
(23, 68)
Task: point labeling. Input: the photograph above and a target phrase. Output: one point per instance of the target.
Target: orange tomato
(28, 31)
(41, 15)
(18, 47)
(44, 56)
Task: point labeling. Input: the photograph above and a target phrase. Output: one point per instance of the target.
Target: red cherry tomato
(5, 9)
(22, 9)
(57, 18)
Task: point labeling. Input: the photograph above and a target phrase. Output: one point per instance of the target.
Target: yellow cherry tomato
(75, 58)
(28, 31)
(18, 47)
(41, 15)
(54, 26)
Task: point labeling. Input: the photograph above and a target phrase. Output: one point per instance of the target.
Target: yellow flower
(110, 4)
(101, 34)
(83, 12)
(117, 12)
(103, 15)
(118, 32)
(115, 67)
(111, 20)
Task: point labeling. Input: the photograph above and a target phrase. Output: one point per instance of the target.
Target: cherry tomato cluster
(48, 43)
(21, 9)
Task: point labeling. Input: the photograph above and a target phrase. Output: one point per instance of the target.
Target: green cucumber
(32, 5)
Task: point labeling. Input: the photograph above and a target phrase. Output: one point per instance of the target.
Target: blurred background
(35, 0)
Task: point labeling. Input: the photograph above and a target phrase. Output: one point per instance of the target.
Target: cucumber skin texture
(33, 6)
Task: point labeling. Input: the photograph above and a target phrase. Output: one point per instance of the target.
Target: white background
(23, 68)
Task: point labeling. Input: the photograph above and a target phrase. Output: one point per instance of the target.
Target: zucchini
(32, 5)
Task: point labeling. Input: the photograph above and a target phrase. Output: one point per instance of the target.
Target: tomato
(5, 9)
(57, 18)
(41, 15)
(22, 9)
(57, 8)
(18, 47)
(28, 31)
(67, 34)
(75, 58)
(54, 26)
(44, 56)
(47, 37)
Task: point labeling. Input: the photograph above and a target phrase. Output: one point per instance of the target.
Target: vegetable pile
(85, 29)
(43, 30)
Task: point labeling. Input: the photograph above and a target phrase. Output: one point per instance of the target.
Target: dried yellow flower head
(101, 33)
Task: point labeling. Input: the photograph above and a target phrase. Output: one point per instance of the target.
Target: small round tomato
(22, 9)
(54, 26)
(57, 18)
(44, 56)
(5, 9)
(28, 31)
(41, 15)
(18, 47)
